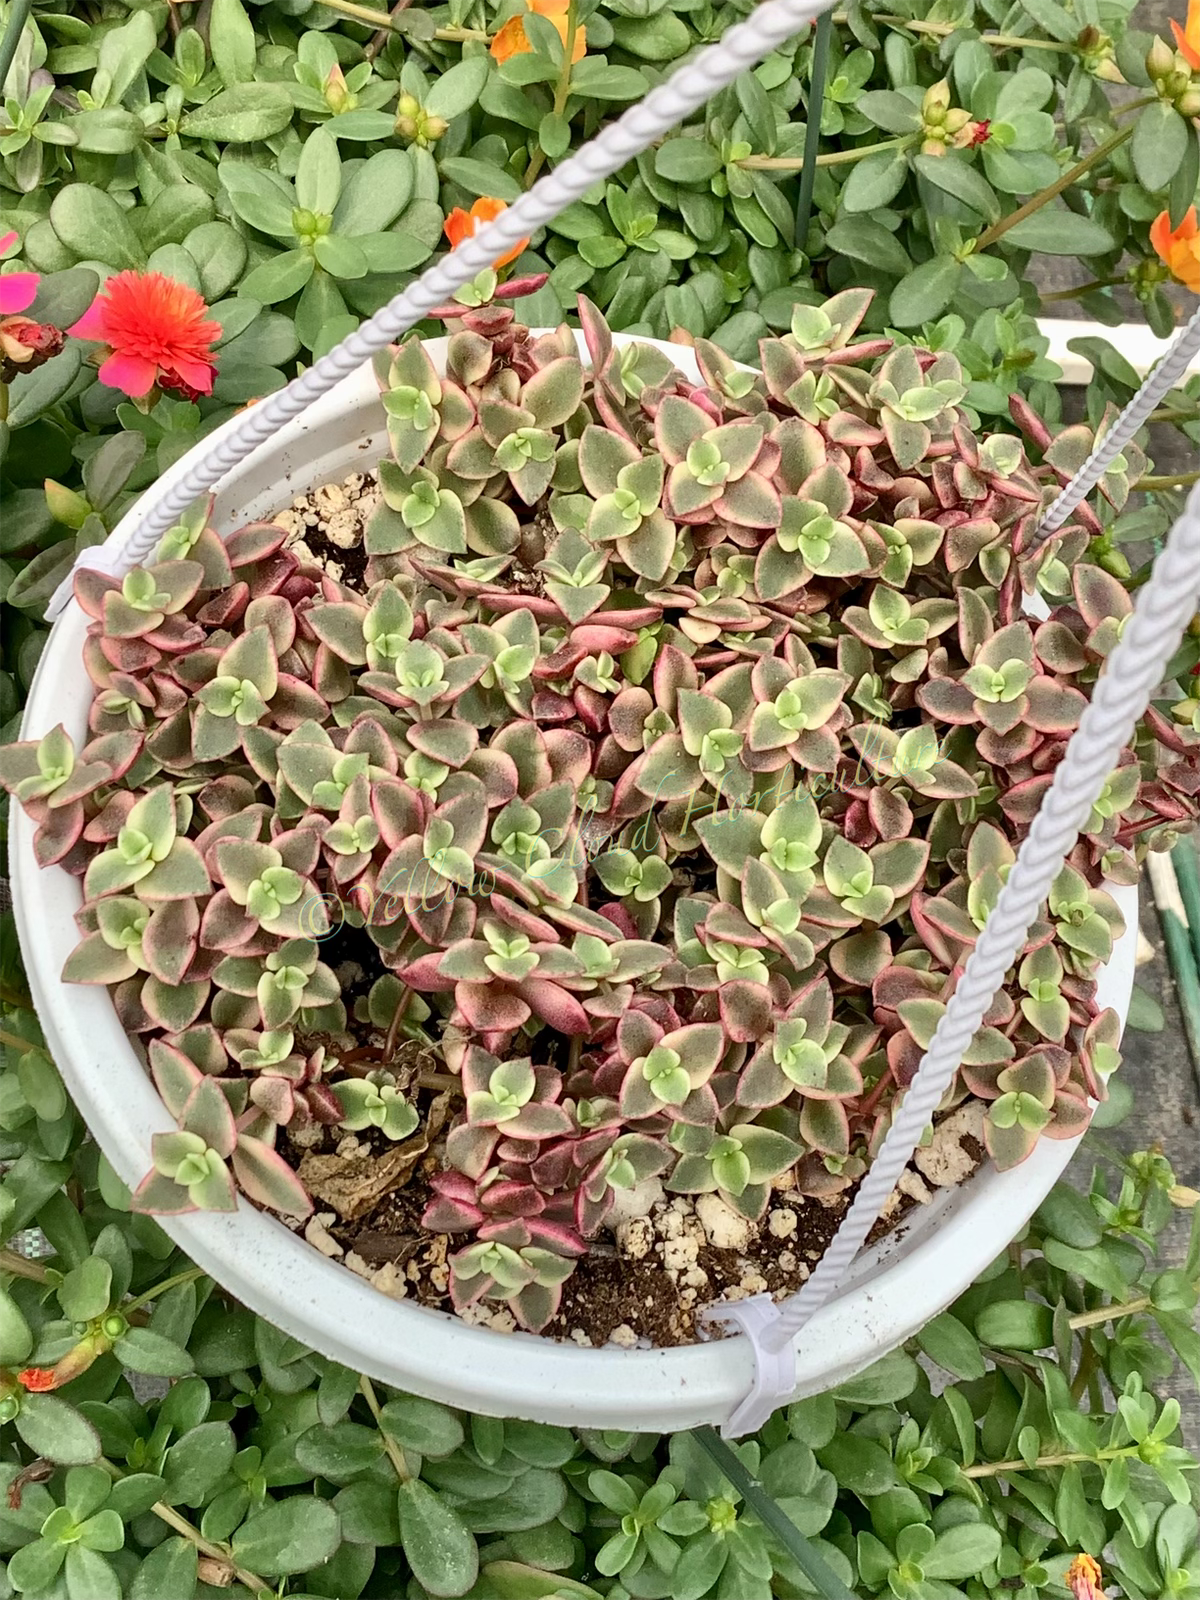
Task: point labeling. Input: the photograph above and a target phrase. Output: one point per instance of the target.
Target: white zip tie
(1159, 381)
(1163, 609)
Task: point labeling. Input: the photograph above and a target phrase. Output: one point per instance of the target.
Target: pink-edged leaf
(175, 1076)
(169, 942)
(555, 1006)
(265, 1177)
(160, 1196)
(207, 1114)
(490, 1008)
(745, 1010)
(94, 961)
(424, 974)
(58, 833)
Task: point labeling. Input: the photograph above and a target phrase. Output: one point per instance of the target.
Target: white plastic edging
(891, 1291)
(1134, 340)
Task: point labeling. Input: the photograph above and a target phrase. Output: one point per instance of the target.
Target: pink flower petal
(197, 375)
(133, 375)
(17, 290)
(91, 323)
(7, 241)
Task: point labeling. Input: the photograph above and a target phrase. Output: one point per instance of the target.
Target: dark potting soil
(643, 1282)
(326, 525)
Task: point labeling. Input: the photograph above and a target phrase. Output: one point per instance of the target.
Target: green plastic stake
(826, 1582)
(812, 130)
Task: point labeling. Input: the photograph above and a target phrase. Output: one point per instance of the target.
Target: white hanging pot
(891, 1292)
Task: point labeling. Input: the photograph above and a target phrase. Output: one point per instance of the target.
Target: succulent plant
(669, 756)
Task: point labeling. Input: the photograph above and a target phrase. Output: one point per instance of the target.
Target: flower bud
(337, 96)
(1117, 563)
(1188, 103)
(1160, 58)
(956, 119)
(1183, 1197)
(416, 124)
(26, 345)
(66, 506)
(973, 134)
(408, 110)
(937, 99)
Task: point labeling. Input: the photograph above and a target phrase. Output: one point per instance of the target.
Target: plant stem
(1134, 105)
(942, 30)
(382, 20)
(999, 229)
(389, 1044)
(21, 1266)
(1167, 414)
(206, 1547)
(395, 1454)
(14, 1041)
(1170, 480)
(189, 1276)
(562, 89)
(993, 1469)
(833, 158)
(876, 1094)
(18, 16)
(1096, 1319)
(380, 37)
(1083, 288)
(439, 1081)
(812, 130)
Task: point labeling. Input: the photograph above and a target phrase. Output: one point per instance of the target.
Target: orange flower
(1187, 39)
(512, 39)
(36, 1380)
(156, 334)
(39, 1380)
(1179, 249)
(460, 225)
(1084, 1579)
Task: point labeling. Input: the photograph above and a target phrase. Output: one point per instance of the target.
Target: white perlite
(725, 1228)
(943, 1161)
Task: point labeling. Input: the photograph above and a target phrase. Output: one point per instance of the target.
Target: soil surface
(326, 525)
(655, 1266)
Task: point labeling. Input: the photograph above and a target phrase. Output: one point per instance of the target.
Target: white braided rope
(1159, 381)
(1133, 672)
(685, 91)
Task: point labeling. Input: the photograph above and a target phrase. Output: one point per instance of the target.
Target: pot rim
(893, 1289)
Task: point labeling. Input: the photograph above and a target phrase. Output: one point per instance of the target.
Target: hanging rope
(1159, 381)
